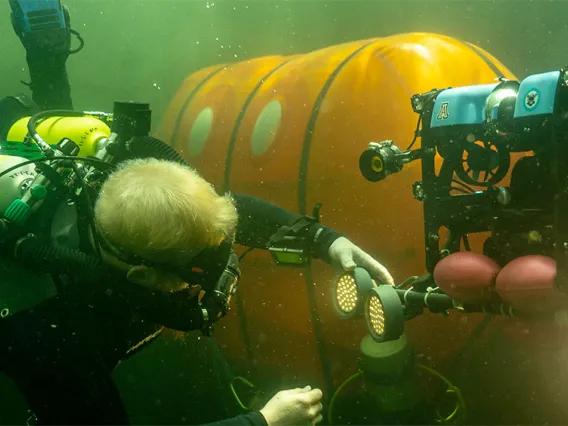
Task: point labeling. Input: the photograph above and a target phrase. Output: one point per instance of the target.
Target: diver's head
(155, 216)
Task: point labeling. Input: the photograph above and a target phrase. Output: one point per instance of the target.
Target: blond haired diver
(153, 218)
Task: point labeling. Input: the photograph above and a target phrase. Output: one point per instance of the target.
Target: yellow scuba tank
(86, 132)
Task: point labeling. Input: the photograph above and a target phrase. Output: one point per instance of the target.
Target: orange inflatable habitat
(290, 130)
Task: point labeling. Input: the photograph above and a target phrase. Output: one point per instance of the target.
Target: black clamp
(293, 245)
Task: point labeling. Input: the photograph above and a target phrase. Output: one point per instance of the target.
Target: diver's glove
(347, 256)
(47, 41)
(47, 50)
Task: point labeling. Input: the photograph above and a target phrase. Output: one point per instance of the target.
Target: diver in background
(63, 363)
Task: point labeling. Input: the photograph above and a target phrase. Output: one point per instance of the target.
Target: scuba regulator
(216, 301)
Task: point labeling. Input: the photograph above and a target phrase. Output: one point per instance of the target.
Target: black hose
(57, 260)
(81, 42)
(435, 301)
(47, 114)
(442, 302)
(177, 310)
(139, 147)
(147, 146)
(95, 162)
(88, 209)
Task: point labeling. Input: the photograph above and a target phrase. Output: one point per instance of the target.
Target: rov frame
(473, 131)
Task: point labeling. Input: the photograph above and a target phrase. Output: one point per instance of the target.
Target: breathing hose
(48, 258)
(43, 145)
(176, 310)
(149, 147)
(139, 147)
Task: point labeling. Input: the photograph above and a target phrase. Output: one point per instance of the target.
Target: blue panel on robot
(537, 95)
(462, 105)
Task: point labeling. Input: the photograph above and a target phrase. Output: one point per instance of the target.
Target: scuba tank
(88, 134)
(15, 297)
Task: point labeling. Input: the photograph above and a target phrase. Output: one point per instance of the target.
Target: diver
(159, 228)
(150, 227)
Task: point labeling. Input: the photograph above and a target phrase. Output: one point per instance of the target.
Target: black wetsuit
(61, 354)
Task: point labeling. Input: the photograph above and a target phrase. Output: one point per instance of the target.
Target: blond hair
(163, 211)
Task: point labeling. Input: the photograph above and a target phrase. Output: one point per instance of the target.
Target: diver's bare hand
(294, 407)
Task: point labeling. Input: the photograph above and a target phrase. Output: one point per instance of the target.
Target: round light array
(384, 314)
(356, 294)
(376, 316)
(346, 294)
(349, 292)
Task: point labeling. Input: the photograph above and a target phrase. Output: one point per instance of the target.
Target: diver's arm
(178, 310)
(259, 220)
(49, 82)
(254, 418)
(47, 42)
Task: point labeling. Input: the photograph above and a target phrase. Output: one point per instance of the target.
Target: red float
(467, 277)
(527, 284)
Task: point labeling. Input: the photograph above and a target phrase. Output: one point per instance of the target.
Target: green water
(142, 50)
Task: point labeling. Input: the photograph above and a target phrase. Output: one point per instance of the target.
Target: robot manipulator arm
(382, 159)
(473, 131)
